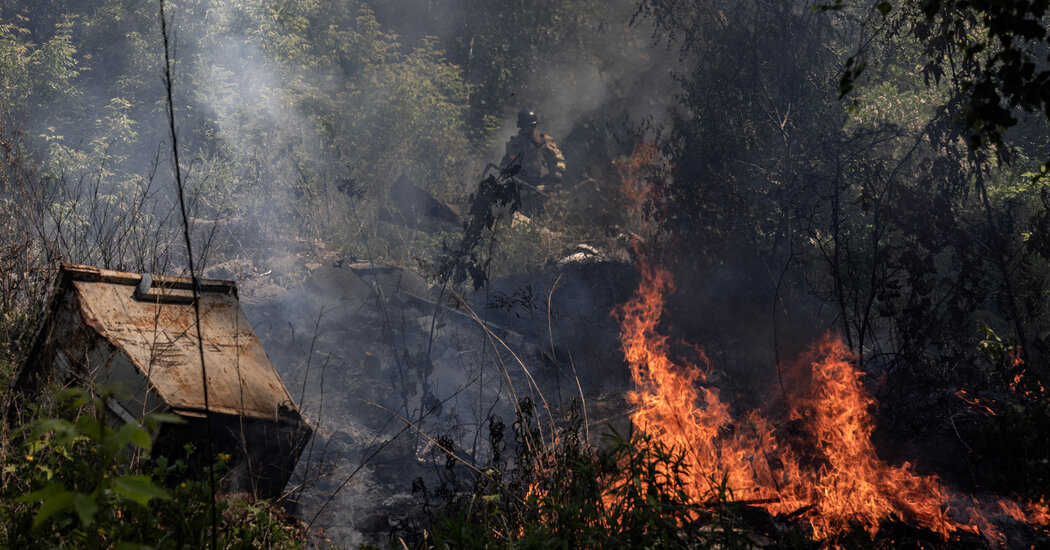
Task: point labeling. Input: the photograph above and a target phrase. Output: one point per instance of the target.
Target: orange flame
(640, 175)
(830, 476)
(974, 402)
(635, 173)
(1027, 386)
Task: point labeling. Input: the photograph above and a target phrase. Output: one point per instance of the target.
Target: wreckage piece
(417, 208)
(136, 334)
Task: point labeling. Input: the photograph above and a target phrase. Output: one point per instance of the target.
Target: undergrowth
(627, 492)
(72, 479)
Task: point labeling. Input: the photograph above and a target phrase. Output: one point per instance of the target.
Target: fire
(641, 174)
(636, 172)
(1027, 386)
(826, 472)
(974, 402)
(852, 485)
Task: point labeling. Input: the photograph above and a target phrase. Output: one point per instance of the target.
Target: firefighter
(542, 164)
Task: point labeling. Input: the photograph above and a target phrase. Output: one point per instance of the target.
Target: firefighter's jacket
(541, 162)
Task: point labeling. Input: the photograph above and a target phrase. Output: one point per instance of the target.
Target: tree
(990, 53)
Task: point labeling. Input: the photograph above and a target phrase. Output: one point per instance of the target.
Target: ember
(825, 471)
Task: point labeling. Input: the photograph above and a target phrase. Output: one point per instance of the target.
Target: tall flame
(826, 472)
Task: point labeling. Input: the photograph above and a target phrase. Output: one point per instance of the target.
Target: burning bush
(699, 474)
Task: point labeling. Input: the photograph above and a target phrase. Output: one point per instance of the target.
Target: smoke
(615, 75)
(347, 336)
(354, 346)
(234, 80)
(262, 138)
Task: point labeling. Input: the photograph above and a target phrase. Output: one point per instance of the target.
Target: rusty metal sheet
(160, 339)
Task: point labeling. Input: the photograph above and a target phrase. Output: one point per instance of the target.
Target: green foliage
(296, 116)
(33, 75)
(990, 53)
(278, 104)
(77, 479)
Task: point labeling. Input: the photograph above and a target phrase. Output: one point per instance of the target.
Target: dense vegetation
(884, 161)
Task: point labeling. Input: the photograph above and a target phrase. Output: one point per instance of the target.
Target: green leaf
(139, 489)
(85, 508)
(90, 427)
(121, 437)
(56, 498)
(141, 439)
(491, 499)
(34, 447)
(57, 425)
(130, 433)
(42, 494)
(884, 8)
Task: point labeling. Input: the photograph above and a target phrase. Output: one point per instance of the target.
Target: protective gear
(527, 118)
(536, 161)
(541, 161)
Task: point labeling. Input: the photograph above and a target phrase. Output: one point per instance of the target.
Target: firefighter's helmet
(527, 118)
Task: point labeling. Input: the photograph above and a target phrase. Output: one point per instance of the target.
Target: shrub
(72, 480)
